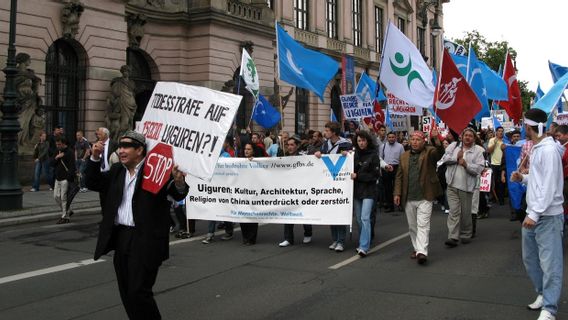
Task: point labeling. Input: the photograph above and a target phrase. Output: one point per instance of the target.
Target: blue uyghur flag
(388, 121)
(539, 93)
(557, 72)
(516, 189)
(265, 114)
(547, 102)
(494, 84)
(367, 89)
(303, 67)
(475, 80)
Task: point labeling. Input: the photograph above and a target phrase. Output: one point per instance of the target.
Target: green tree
(493, 54)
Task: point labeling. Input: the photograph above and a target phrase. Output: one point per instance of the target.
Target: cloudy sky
(535, 29)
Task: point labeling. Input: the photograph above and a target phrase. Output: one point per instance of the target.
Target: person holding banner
(464, 163)
(250, 230)
(416, 186)
(335, 144)
(135, 221)
(292, 146)
(367, 170)
(543, 227)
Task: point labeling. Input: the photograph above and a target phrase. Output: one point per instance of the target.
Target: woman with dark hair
(250, 230)
(367, 169)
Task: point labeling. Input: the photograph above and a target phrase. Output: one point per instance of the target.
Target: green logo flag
(403, 70)
(249, 74)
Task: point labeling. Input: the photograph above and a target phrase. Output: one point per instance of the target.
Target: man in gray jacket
(464, 163)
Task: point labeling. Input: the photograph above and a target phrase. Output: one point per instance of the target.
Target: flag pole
(277, 77)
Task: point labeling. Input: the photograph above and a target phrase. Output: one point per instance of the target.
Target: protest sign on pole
(400, 122)
(562, 118)
(486, 122)
(300, 189)
(426, 124)
(399, 106)
(193, 120)
(354, 108)
(485, 181)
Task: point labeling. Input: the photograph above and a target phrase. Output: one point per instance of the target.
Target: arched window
(65, 86)
(144, 73)
(336, 102)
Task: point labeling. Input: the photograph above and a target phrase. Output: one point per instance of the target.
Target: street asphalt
(47, 273)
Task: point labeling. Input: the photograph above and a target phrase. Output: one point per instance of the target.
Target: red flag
(375, 122)
(514, 106)
(455, 102)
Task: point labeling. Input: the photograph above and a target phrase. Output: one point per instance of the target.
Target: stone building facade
(78, 46)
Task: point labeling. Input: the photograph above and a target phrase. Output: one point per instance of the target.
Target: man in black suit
(109, 146)
(135, 222)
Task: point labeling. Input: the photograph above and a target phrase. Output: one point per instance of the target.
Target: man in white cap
(543, 226)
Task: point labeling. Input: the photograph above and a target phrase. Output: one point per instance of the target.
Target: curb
(49, 216)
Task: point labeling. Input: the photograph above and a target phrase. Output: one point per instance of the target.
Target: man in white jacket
(542, 228)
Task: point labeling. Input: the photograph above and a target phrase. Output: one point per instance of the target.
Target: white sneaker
(537, 304)
(446, 211)
(284, 243)
(307, 240)
(333, 245)
(33, 190)
(339, 247)
(546, 315)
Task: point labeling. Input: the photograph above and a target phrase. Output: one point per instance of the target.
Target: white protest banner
(399, 106)
(354, 108)
(485, 181)
(562, 118)
(193, 120)
(486, 122)
(299, 189)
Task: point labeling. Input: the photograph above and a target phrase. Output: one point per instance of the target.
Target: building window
(331, 18)
(302, 105)
(379, 28)
(141, 74)
(65, 67)
(357, 23)
(421, 40)
(433, 52)
(401, 25)
(301, 14)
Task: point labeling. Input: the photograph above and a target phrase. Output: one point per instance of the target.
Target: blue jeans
(41, 166)
(338, 233)
(81, 166)
(363, 208)
(542, 256)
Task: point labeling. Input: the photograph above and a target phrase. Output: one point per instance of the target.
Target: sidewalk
(40, 206)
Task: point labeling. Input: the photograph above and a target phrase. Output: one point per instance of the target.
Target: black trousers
(388, 184)
(289, 232)
(499, 186)
(135, 278)
(249, 231)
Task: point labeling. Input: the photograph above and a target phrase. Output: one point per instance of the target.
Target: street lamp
(10, 189)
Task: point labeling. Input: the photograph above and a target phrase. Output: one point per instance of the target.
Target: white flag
(403, 70)
(249, 74)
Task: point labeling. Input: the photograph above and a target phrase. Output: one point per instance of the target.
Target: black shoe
(421, 258)
(452, 243)
(71, 212)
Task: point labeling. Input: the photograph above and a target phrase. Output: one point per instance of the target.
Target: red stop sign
(157, 168)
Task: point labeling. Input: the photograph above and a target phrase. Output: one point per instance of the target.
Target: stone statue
(70, 16)
(28, 103)
(121, 104)
(135, 24)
